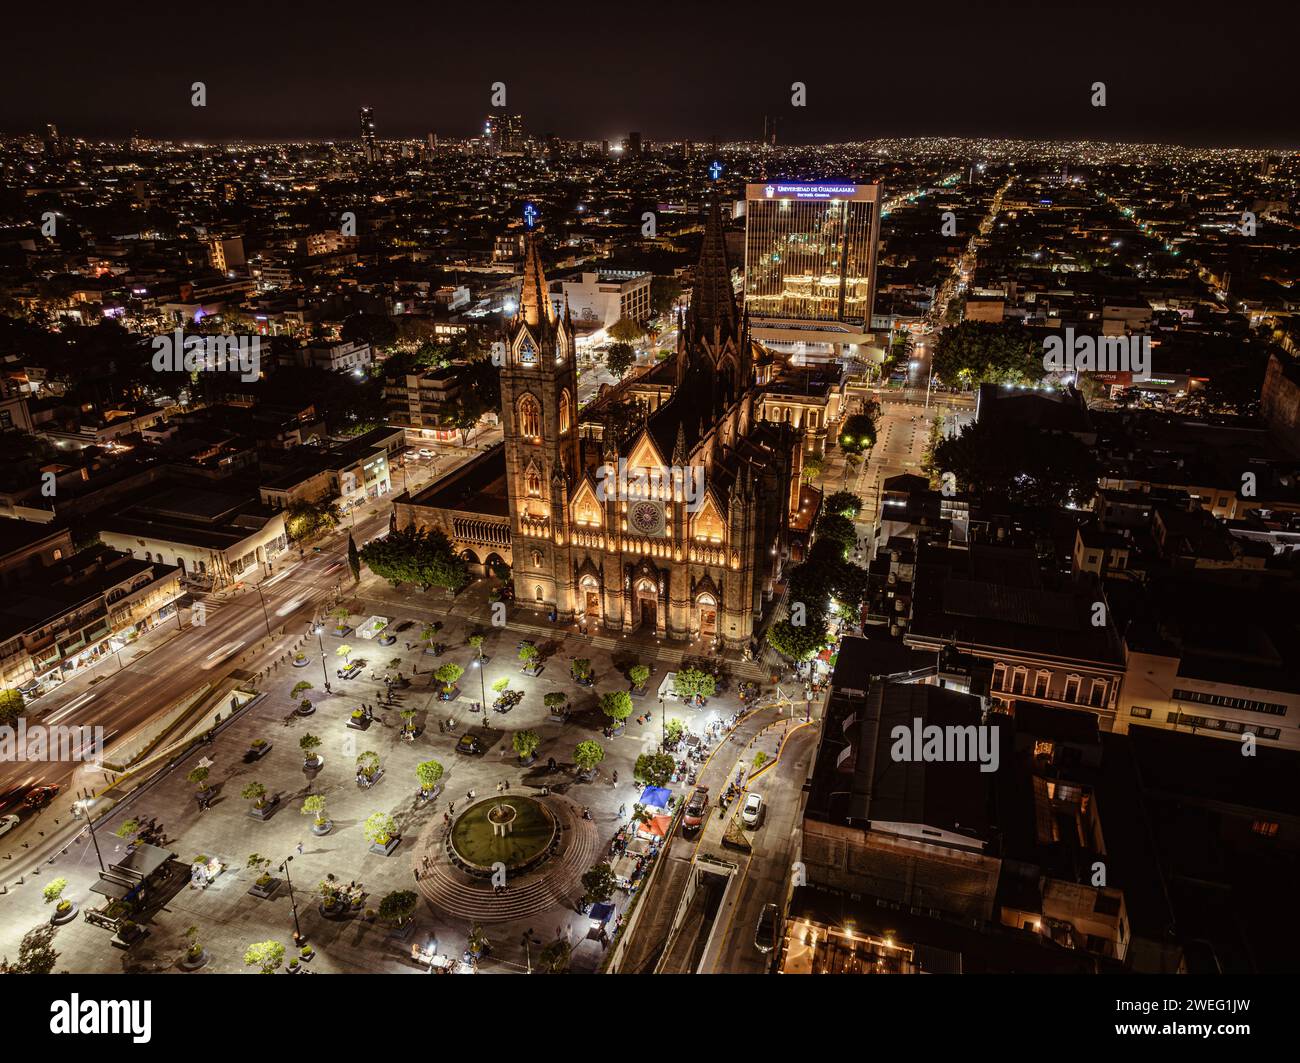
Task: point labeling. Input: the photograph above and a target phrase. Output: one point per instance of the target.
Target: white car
(425, 452)
(753, 810)
(7, 823)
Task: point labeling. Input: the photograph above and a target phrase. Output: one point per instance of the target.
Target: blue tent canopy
(601, 913)
(656, 797)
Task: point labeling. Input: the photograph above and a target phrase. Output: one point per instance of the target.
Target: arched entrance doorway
(647, 605)
(706, 615)
(589, 601)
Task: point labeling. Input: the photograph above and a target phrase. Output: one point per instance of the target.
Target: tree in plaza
(199, 777)
(194, 950)
(413, 555)
(398, 907)
(554, 958)
(693, 683)
(11, 706)
(639, 673)
(266, 955)
(981, 352)
(309, 743)
(528, 654)
(619, 359)
(299, 688)
(314, 805)
(664, 293)
(1003, 460)
(857, 432)
(617, 705)
(447, 676)
(475, 642)
(843, 503)
(588, 755)
(813, 466)
(407, 716)
(36, 953)
(344, 651)
(53, 892)
(256, 793)
(428, 772)
(626, 330)
(798, 643)
(478, 941)
(340, 615)
(380, 828)
(354, 559)
(500, 686)
(556, 699)
(674, 729)
(129, 829)
(368, 763)
(653, 769)
(598, 884)
(526, 743)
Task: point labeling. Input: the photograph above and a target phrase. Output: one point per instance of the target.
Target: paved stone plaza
(229, 918)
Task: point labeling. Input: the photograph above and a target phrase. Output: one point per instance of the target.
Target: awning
(623, 868)
(657, 827)
(106, 887)
(656, 797)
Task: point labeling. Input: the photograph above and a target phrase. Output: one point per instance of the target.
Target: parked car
(425, 452)
(752, 813)
(351, 671)
(696, 807)
(765, 932)
(469, 744)
(7, 823)
(38, 796)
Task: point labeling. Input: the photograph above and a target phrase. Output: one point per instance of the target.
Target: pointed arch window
(530, 418)
(566, 412)
(533, 481)
(527, 352)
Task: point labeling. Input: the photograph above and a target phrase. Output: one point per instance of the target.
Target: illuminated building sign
(819, 190)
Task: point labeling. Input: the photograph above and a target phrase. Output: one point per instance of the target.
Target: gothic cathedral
(672, 520)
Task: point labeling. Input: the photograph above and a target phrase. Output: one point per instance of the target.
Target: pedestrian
(469, 796)
(451, 807)
(300, 848)
(615, 778)
(622, 809)
(506, 784)
(417, 874)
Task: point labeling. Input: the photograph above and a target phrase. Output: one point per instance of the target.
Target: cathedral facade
(672, 521)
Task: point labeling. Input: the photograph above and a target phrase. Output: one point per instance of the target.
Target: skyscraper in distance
(368, 134)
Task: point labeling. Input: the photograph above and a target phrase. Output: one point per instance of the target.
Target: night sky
(669, 71)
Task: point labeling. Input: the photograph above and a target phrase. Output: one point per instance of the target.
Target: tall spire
(534, 302)
(713, 302)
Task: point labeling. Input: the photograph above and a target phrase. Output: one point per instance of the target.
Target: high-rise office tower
(634, 145)
(368, 134)
(810, 260)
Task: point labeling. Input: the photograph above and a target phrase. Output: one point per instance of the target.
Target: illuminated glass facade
(810, 251)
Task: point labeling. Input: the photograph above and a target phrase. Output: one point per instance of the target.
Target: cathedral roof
(534, 301)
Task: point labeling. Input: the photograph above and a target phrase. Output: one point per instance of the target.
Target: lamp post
(264, 612)
(482, 681)
(90, 823)
(663, 725)
(316, 630)
(293, 901)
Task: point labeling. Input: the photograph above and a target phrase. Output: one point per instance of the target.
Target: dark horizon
(1018, 72)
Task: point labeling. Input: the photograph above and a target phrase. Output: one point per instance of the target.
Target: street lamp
(316, 630)
(264, 612)
(482, 681)
(298, 939)
(663, 724)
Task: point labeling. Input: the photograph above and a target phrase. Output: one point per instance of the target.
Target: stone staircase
(555, 883)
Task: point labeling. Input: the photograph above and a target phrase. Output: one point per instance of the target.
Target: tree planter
(589, 681)
(367, 781)
(387, 640)
(305, 710)
(125, 938)
(359, 723)
(637, 693)
(59, 918)
(335, 911)
(188, 964)
(525, 761)
(559, 716)
(267, 810)
(257, 752)
(301, 664)
(449, 695)
(341, 632)
(313, 763)
(533, 670)
(264, 890)
(386, 850)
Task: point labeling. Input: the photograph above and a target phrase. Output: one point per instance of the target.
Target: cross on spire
(530, 215)
(715, 170)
